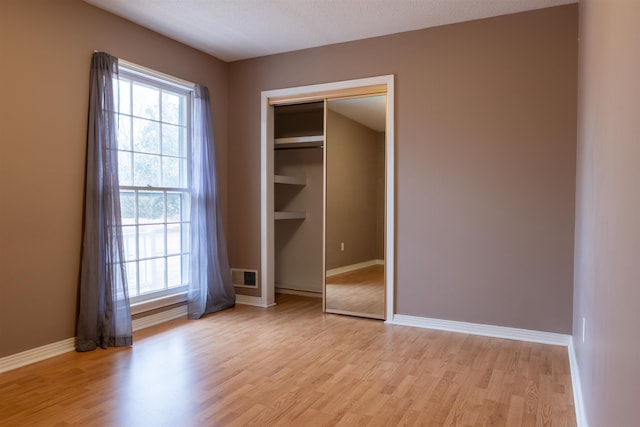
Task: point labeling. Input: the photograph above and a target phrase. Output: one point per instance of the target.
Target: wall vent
(243, 278)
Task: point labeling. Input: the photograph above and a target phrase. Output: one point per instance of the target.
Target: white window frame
(137, 73)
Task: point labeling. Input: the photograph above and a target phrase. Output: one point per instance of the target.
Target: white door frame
(267, 257)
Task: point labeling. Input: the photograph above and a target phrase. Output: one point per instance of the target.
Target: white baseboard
(161, 317)
(353, 267)
(36, 354)
(479, 329)
(47, 351)
(249, 300)
(508, 333)
(153, 304)
(300, 292)
(576, 384)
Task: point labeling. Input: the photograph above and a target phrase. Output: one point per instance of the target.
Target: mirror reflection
(355, 206)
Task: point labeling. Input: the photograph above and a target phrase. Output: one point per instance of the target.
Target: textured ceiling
(370, 111)
(239, 29)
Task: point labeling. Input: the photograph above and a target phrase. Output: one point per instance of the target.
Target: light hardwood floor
(359, 291)
(292, 365)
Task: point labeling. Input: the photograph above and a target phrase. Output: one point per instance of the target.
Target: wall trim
(480, 329)
(37, 354)
(249, 300)
(156, 303)
(300, 292)
(157, 318)
(576, 385)
(354, 267)
(508, 333)
(48, 351)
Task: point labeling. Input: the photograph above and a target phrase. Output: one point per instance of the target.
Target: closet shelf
(299, 142)
(293, 180)
(289, 215)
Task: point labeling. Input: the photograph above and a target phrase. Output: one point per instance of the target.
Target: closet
(327, 194)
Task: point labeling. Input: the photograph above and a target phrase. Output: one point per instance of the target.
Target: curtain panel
(210, 287)
(104, 317)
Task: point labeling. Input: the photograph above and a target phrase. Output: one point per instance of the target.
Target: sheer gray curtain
(210, 287)
(104, 317)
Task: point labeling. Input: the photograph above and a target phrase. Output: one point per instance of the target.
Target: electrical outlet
(584, 328)
(342, 246)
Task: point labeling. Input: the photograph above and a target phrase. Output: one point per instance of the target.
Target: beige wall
(485, 161)
(485, 126)
(607, 271)
(352, 184)
(298, 243)
(46, 48)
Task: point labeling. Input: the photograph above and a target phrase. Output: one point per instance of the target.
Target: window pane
(130, 240)
(171, 172)
(132, 281)
(124, 132)
(183, 142)
(124, 168)
(151, 240)
(128, 207)
(171, 107)
(146, 170)
(185, 236)
(150, 207)
(174, 205)
(174, 239)
(146, 136)
(146, 101)
(186, 204)
(170, 140)
(183, 181)
(152, 275)
(185, 269)
(174, 271)
(153, 153)
(124, 105)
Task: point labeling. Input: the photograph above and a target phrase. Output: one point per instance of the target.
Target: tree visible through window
(153, 165)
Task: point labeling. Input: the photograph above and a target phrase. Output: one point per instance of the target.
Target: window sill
(153, 304)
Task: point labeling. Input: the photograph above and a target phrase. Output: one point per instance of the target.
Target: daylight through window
(153, 163)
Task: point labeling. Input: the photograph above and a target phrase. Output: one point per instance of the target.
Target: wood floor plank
(360, 291)
(292, 365)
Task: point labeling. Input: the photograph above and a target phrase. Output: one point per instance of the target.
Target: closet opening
(317, 161)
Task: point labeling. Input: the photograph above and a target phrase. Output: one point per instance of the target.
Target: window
(154, 116)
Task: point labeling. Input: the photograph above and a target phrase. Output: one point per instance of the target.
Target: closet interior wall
(355, 193)
(298, 242)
